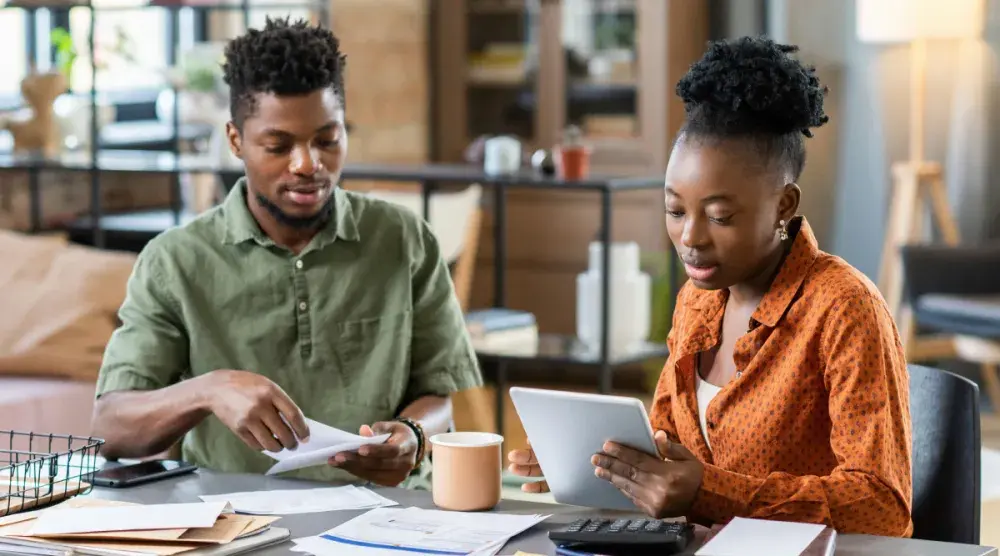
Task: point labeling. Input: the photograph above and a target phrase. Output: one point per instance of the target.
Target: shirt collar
(708, 306)
(241, 226)
(794, 269)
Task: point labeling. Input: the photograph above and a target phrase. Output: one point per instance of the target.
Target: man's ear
(235, 140)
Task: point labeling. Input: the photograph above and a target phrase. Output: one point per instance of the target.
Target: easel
(916, 183)
(915, 186)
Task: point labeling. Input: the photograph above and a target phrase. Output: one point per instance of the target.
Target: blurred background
(112, 113)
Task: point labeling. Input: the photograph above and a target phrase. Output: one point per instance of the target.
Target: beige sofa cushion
(58, 305)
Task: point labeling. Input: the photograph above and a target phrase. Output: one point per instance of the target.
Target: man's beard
(298, 222)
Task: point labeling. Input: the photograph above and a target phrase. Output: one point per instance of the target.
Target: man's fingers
(264, 436)
(380, 451)
(250, 441)
(292, 415)
(280, 429)
(363, 467)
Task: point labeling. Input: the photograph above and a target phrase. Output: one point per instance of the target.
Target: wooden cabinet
(529, 68)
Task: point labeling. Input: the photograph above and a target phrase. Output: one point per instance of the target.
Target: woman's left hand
(661, 487)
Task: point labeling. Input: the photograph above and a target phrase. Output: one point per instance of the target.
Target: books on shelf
(503, 331)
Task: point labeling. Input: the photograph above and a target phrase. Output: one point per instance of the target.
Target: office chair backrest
(947, 448)
(960, 270)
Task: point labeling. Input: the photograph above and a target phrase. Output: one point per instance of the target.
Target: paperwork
(127, 518)
(324, 442)
(758, 537)
(301, 501)
(418, 531)
(226, 534)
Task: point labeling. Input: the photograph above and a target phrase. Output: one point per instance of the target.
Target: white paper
(324, 442)
(759, 537)
(127, 518)
(387, 530)
(301, 501)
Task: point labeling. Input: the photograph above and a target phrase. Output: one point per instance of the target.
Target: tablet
(567, 428)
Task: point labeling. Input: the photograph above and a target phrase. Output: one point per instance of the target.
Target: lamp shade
(894, 21)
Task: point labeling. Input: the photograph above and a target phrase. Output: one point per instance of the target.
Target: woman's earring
(783, 232)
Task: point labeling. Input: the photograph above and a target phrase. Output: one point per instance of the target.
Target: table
(187, 489)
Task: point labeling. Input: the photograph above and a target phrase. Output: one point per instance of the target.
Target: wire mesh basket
(40, 469)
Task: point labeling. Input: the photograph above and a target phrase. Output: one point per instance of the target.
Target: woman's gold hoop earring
(783, 232)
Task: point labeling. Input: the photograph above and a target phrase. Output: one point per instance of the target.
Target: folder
(230, 534)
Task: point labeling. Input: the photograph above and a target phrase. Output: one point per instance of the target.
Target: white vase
(629, 300)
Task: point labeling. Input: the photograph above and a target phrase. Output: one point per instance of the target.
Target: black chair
(947, 448)
(943, 284)
(955, 291)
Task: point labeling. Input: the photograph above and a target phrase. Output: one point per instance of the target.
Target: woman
(785, 395)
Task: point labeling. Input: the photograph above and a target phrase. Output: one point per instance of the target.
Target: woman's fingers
(536, 487)
(525, 470)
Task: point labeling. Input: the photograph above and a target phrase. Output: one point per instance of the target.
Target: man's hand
(387, 464)
(525, 464)
(256, 409)
(660, 487)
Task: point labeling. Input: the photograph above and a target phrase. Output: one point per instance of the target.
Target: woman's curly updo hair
(751, 89)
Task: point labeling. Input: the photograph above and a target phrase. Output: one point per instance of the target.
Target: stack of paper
(324, 442)
(107, 528)
(414, 530)
(760, 537)
(301, 501)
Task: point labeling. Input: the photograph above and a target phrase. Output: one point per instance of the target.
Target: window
(259, 17)
(131, 47)
(12, 70)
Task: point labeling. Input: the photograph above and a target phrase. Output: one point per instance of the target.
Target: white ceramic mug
(501, 155)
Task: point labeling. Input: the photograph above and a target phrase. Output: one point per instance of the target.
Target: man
(293, 299)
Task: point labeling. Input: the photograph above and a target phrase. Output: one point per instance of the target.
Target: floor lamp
(917, 183)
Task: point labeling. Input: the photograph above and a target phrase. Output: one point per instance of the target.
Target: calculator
(624, 536)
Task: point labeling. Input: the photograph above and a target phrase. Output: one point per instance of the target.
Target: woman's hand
(524, 464)
(660, 487)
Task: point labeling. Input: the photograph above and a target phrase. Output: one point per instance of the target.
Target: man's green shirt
(360, 323)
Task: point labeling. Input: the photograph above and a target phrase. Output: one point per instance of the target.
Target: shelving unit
(136, 228)
(554, 349)
(34, 164)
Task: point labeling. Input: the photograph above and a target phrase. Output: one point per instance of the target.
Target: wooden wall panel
(551, 232)
(549, 293)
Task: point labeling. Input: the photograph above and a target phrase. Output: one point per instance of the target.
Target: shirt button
(298, 264)
(303, 306)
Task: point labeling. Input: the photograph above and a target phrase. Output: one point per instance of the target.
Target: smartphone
(139, 473)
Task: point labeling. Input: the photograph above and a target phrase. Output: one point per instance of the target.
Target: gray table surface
(189, 487)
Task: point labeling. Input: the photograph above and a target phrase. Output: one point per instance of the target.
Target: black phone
(132, 474)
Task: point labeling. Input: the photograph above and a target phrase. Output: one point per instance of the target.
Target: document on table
(127, 518)
(324, 442)
(414, 530)
(758, 537)
(301, 501)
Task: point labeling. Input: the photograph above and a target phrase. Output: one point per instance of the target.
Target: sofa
(58, 308)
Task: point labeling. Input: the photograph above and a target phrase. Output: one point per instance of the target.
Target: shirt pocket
(373, 359)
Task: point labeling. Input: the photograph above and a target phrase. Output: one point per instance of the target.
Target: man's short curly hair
(283, 58)
(752, 89)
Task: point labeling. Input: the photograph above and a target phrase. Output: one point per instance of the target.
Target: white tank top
(705, 392)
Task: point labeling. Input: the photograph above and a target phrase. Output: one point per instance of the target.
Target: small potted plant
(572, 156)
